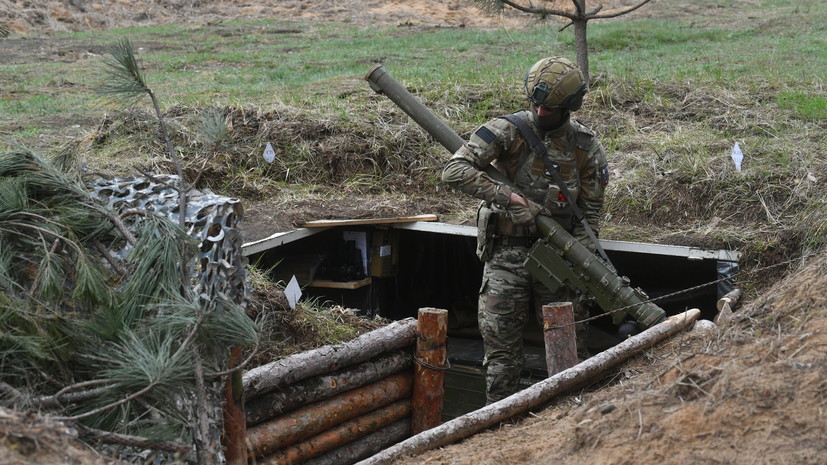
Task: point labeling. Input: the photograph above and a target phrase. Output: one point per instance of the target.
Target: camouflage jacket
(580, 156)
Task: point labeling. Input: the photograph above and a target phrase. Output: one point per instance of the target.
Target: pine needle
(123, 79)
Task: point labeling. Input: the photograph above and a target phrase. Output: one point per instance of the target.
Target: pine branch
(124, 81)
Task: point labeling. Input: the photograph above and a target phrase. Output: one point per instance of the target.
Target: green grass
(670, 97)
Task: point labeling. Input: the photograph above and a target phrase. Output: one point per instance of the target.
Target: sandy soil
(752, 392)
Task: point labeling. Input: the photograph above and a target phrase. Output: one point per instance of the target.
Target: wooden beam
(289, 370)
(364, 221)
(318, 388)
(340, 435)
(366, 446)
(340, 284)
(267, 438)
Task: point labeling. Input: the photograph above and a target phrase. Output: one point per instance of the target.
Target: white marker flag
(269, 153)
(737, 156)
(293, 292)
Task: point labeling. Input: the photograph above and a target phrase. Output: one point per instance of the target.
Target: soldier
(506, 219)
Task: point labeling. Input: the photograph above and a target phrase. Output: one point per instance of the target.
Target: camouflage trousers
(508, 297)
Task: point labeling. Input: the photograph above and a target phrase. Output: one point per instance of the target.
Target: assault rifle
(557, 258)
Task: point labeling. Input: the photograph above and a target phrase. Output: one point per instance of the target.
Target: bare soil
(752, 392)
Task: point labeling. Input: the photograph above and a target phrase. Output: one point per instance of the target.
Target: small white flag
(293, 292)
(269, 153)
(737, 156)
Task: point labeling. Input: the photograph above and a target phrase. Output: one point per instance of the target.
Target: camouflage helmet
(555, 82)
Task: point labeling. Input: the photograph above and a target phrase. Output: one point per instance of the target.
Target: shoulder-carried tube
(592, 274)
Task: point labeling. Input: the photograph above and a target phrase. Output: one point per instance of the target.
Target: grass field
(670, 97)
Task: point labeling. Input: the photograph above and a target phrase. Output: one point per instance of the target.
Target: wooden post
(558, 332)
(430, 361)
(234, 436)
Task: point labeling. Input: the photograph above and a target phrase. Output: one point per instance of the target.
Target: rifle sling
(539, 149)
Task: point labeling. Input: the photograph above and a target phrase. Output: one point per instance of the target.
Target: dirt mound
(27, 439)
(27, 17)
(752, 392)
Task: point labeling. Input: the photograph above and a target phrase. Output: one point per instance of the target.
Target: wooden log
(558, 333)
(329, 358)
(429, 375)
(338, 436)
(731, 298)
(725, 305)
(266, 438)
(536, 395)
(234, 435)
(273, 404)
(366, 446)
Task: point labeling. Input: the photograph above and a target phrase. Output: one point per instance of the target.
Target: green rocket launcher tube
(557, 259)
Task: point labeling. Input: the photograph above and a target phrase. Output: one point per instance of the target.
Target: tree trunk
(429, 374)
(536, 395)
(581, 44)
(340, 435)
(366, 446)
(301, 366)
(309, 421)
(318, 388)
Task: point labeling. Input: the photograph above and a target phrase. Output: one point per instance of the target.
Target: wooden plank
(277, 240)
(363, 221)
(340, 284)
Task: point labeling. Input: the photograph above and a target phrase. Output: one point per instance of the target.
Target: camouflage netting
(210, 218)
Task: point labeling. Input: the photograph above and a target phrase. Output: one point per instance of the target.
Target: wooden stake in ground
(429, 375)
(536, 395)
(558, 333)
(235, 430)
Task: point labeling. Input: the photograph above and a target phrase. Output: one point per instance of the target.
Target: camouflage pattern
(582, 161)
(564, 84)
(507, 296)
(509, 293)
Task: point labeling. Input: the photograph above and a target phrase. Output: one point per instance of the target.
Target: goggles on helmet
(572, 102)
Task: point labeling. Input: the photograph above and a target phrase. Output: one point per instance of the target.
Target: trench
(394, 269)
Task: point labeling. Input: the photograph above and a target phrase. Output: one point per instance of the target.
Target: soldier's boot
(501, 381)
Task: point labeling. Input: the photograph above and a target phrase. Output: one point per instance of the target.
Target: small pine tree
(579, 17)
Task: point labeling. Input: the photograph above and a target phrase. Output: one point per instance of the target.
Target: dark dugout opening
(394, 270)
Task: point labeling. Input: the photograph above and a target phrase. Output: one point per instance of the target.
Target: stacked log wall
(336, 404)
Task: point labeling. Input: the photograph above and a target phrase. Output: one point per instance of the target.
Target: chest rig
(565, 198)
(551, 180)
